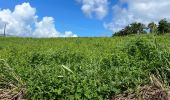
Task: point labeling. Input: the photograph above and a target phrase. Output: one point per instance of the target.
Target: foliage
(84, 68)
(164, 26)
(153, 27)
(134, 28)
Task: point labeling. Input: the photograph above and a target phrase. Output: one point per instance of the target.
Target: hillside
(81, 68)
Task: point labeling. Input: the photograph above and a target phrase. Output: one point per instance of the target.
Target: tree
(134, 28)
(153, 27)
(137, 28)
(164, 26)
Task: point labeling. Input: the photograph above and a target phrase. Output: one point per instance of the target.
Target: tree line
(163, 27)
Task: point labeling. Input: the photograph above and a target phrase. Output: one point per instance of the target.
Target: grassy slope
(86, 68)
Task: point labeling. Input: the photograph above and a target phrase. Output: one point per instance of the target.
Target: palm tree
(153, 27)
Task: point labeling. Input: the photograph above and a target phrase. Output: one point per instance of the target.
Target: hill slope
(82, 68)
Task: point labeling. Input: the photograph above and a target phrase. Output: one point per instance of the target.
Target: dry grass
(11, 85)
(12, 94)
(155, 91)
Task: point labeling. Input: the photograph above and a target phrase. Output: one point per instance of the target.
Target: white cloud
(23, 21)
(44, 27)
(143, 11)
(98, 8)
(69, 34)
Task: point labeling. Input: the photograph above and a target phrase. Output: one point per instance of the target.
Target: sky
(77, 18)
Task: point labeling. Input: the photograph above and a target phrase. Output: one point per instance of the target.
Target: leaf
(66, 68)
(60, 76)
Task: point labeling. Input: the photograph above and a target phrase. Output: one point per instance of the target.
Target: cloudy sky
(72, 18)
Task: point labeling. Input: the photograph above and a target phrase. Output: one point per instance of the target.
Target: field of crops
(82, 68)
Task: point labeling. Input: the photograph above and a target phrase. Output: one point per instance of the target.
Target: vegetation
(136, 28)
(82, 68)
(164, 26)
(153, 27)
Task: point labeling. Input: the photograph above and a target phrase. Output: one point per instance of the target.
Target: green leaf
(66, 68)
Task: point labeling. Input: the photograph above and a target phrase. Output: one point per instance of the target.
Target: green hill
(82, 68)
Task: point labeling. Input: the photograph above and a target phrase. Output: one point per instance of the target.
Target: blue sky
(78, 17)
(67, 15)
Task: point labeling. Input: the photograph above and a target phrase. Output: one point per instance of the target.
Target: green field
(82, 68)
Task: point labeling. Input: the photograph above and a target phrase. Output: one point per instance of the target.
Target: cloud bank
(145, 11)
(23, 21)
(94, 8)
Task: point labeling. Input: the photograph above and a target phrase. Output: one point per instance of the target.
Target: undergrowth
(87, 68)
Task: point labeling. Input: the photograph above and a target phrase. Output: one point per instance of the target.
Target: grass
(83, 68)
